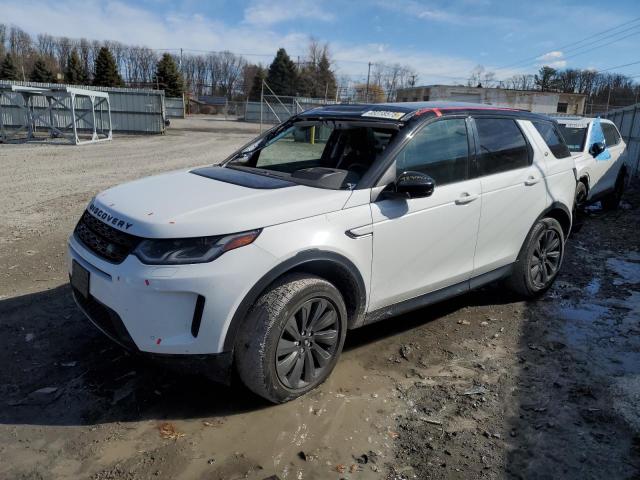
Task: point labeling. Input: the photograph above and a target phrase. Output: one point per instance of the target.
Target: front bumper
(151, 309)
(216, 366)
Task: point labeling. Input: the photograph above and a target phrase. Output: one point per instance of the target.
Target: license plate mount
(80, 278)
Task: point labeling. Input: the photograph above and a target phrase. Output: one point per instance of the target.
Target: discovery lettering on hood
(108, 218)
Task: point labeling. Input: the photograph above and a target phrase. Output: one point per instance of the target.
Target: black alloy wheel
(545, 259)
(308, 342)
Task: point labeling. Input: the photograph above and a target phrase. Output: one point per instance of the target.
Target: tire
(268, 360)
(612, 201)
(540, 243)
(579, 204)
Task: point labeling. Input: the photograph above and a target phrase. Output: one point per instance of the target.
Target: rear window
(502, 146)
(575, 136)
(611, 135)
(553, 138)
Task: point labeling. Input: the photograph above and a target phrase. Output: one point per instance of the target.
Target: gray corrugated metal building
(627, 120)
(133, 110)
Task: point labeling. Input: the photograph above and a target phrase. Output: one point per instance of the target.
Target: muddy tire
(292, 338)
(612, 201)
(579, 205)
(539, 260)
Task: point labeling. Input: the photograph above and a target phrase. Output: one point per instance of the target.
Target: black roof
(403, 111)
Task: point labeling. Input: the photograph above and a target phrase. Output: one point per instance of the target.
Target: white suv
(600, 155)
(342, 216)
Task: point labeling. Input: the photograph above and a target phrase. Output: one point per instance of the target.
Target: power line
(618, 66)
(590, 37)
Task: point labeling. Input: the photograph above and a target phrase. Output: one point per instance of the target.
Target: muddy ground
(482, 386)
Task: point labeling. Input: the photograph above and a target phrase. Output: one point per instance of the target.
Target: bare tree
(481, 77)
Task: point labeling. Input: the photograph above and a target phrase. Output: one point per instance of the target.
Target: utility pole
(608, 97)
(366, 94)
(181, 59)
(261, 102)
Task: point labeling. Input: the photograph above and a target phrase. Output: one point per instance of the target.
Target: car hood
(183, 204)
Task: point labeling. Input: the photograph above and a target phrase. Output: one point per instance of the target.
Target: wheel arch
(331, 266)
(561, 213)
(584, 178)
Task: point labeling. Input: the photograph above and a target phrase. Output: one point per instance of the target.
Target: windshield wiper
(260, 171)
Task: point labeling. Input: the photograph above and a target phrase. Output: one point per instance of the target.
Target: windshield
(327, 154)
(574, 136)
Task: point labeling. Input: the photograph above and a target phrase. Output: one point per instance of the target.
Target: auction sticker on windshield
(384, 114)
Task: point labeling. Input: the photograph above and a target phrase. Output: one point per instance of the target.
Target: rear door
(424, 244)
(511, 174)
(616, 147)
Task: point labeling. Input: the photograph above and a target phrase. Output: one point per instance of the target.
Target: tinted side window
(440, 150)
(554, 139)
(611, 136)
(502, 146)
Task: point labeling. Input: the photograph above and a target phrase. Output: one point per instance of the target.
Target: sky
(443, 40)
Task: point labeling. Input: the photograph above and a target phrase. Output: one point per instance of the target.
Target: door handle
(466, 198)
(531, 180)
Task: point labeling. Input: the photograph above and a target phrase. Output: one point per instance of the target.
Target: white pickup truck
(600, 154)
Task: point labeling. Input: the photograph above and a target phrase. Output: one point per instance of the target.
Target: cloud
(459, 12)
(197, 33)
(263, 12)
(553, 59)
(154, 28)
(551, 56)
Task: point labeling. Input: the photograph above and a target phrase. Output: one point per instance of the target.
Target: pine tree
(106, 72)
(168, 77)
(8, 69)
(74, 72)
(282, 77)
(326, 80)
(41, 73)
(256, 86)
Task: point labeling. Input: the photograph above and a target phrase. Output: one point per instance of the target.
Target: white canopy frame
(100, 110)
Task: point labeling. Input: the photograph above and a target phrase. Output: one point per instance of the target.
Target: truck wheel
(539, 260)
(612, 201)
(292, 338)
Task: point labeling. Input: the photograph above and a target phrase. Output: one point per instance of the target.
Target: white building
(531, 100)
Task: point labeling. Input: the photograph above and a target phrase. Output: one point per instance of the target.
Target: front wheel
(292, 338)
(612, 201)
(579, 205)
(539, 260)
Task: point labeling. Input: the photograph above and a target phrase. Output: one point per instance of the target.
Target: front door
(424, 244)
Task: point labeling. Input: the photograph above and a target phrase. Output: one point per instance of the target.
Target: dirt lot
(484, 386)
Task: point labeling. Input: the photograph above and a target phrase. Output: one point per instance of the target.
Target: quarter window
(554, 139)
(611, 135)
(440, 150)
(502, 146)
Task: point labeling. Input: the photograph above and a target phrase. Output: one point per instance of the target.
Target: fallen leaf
(168, 431)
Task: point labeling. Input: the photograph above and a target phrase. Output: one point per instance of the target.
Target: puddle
(627, 268)
(593, 287)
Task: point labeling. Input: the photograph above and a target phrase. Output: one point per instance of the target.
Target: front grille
(105, 319)
(105, 241)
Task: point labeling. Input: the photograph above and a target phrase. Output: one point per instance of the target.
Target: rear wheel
(292, 338)
(612, 201)
(540, 259)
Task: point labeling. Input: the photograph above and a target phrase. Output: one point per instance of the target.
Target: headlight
(191, 250)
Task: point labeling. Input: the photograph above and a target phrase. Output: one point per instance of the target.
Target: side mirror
(414, 185)
(597, 148)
